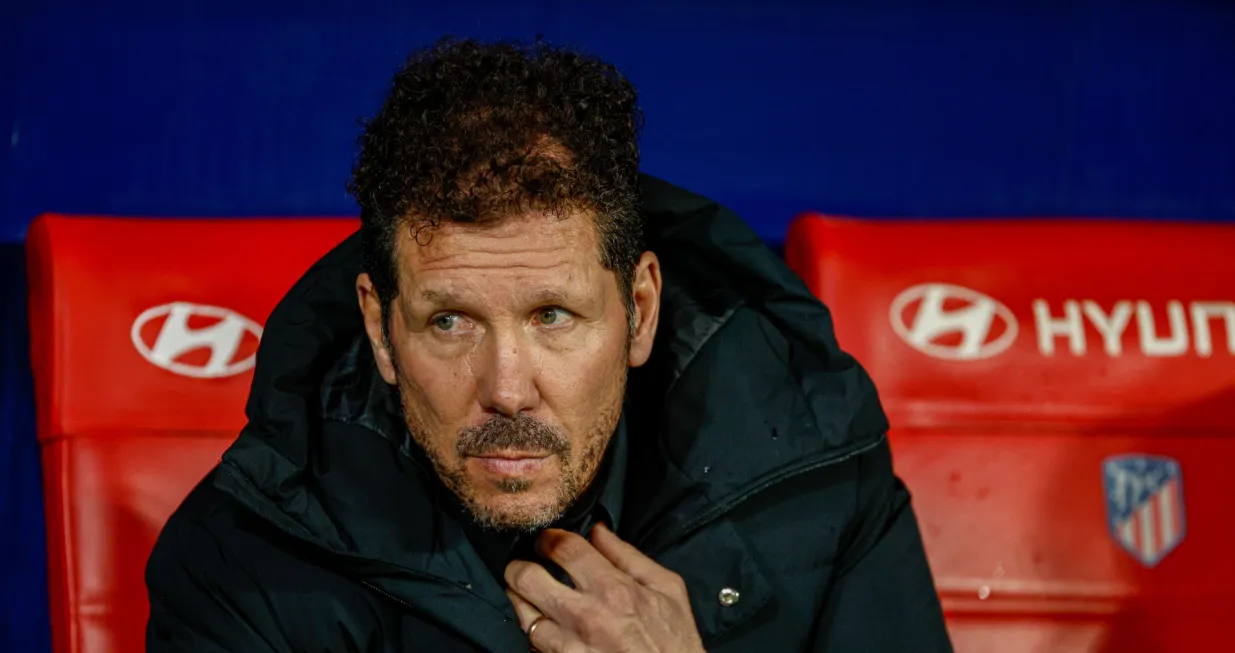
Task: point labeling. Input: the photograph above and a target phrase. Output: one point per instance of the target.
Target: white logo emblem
(222, 339)
(981, 326)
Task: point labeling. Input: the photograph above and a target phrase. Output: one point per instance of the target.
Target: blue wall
(874, 108)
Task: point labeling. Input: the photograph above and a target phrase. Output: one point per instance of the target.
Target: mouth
(512, 463)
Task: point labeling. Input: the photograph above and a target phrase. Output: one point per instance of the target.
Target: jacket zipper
(718, 510)
(388, 595)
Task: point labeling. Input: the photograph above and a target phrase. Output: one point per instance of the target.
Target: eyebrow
(439, 297)
(545, 296)
(542, 296)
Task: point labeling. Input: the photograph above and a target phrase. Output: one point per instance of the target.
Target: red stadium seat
(143, 334)
(1062, 398)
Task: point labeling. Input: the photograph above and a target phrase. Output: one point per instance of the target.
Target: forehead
(523, 245)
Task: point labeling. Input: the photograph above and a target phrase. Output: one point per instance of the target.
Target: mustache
(522, 432)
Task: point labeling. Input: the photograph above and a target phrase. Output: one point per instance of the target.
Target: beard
(522, 432)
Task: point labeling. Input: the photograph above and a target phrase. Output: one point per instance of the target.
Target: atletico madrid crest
(1144, 505)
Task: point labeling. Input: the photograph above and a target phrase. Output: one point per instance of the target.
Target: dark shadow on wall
(24, 613)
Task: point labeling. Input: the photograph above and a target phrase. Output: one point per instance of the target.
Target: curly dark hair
(475, 132)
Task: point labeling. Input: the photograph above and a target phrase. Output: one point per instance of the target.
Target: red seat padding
(143, 336)
(1062, 399)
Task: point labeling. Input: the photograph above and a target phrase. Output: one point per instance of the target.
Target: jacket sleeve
(203, 601)
(882, 598)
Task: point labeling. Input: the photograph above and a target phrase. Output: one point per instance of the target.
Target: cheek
(438, 398)
(584, 385)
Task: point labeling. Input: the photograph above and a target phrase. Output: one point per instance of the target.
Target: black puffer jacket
(757, 462)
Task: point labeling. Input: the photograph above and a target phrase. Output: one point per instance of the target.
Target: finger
(534, 584)
(549, 637)
(630, 560)
(526, 612)
(577, 557)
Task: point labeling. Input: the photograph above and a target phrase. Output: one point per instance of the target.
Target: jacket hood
(746, 384)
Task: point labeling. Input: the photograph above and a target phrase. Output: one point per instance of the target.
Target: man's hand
(624, 601)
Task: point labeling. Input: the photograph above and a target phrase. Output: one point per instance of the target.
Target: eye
(447, 322)
(552, 316)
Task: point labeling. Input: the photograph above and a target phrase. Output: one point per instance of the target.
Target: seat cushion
(1062, 400)
(143, 338)
(114, 495)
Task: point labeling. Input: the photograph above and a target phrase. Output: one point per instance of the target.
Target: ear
(371, 308)
(646, 291)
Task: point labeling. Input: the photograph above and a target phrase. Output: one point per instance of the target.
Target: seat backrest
(1062, 400)
(143, 335)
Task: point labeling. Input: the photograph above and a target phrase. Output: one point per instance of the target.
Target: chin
(529, 510)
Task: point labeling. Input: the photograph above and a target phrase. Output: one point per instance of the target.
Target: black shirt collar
(602, 501)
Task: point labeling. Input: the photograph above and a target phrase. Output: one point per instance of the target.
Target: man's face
(509, 344)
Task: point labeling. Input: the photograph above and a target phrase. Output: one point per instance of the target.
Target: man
(578, 409)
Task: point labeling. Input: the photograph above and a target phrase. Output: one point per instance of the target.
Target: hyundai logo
(952, 322)
(196, 340)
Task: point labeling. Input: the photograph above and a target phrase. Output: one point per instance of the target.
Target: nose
(505, 376)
